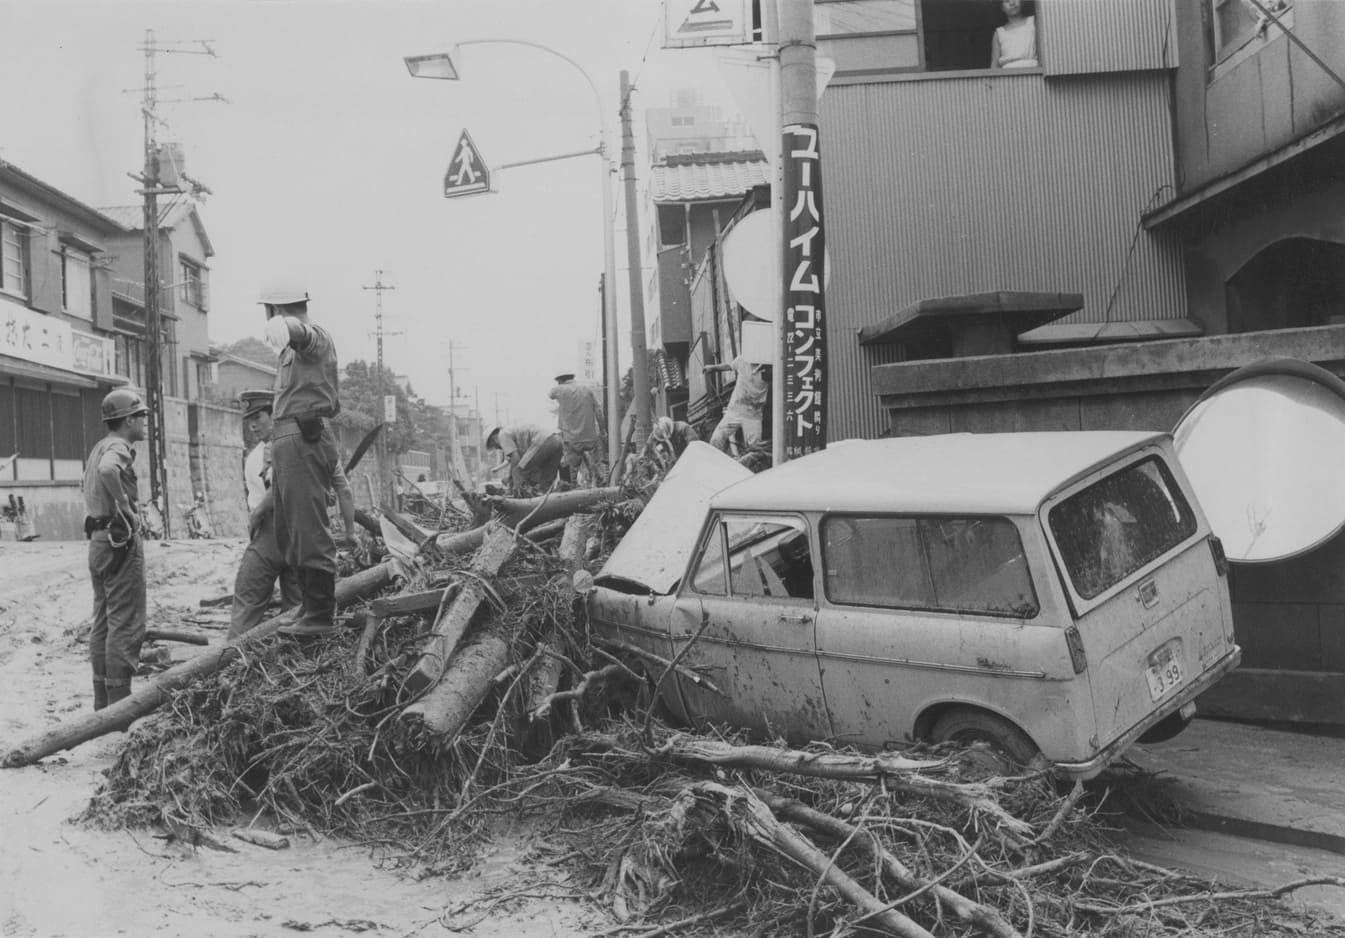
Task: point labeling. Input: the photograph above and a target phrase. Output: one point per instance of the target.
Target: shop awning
(21, 368)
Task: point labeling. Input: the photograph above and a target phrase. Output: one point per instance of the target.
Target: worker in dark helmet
(304, 456)
(116, 551)
(532, 454)
(262, 563)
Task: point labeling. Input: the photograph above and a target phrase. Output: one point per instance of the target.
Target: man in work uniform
(304, 457)
(745, 403)
(578, 417)
(116, 552)
(262, 563)
(533, 455)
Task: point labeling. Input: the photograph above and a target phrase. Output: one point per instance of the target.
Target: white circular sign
(1263, 454)
(749, 265)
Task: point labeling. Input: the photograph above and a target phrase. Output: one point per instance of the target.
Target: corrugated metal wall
(1091, 36)
(941, 187)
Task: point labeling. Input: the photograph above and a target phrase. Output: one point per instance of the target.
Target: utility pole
(639, 355)
(801, 401)
(452, 415)
(384, 473)
(151, 189)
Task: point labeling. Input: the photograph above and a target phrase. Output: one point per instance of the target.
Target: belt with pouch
(310, 427)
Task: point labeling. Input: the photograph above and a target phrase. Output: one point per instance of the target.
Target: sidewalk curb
(1262, 830)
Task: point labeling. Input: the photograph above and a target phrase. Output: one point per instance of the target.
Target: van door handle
(801, 620)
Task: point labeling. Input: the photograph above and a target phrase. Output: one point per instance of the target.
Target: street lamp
(441, 65)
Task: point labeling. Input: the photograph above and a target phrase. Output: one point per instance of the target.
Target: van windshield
(1115, 526)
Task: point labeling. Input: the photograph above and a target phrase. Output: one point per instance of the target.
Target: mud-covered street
(62, 878)
(59, 877)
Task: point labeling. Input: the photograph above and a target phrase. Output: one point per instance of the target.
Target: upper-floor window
(869, 37)
(1235, 24)
(685, 120)
(76, 283)
(13, 258)
(193, 284)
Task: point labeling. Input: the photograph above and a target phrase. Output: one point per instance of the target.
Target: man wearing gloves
(262, 563)
(304, 457)
(116, 553)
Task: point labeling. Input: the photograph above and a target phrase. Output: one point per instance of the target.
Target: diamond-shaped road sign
(467, 172)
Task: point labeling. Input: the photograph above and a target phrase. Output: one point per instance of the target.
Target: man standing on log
(116, 553)
(578, 417)
(262, 563)
(304, 457)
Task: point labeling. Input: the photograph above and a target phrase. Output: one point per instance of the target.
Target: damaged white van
(1057, 595)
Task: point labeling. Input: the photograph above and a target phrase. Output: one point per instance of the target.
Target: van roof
(976, 473)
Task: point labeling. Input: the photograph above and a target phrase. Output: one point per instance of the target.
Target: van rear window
(965, 565)
(1117, 525)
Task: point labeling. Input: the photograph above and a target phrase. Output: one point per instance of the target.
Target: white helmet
(663, 428)
(279, 294)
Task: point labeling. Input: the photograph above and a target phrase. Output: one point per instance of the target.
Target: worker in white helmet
(304, 456)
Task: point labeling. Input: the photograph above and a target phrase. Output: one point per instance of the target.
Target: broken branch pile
(348, 736)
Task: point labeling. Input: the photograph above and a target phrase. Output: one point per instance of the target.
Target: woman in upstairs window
(1015, 43)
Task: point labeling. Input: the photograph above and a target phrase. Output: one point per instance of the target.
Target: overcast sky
(328, 161)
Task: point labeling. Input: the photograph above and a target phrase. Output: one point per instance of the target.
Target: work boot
(99, 693)
(117, 690)
(319, 609)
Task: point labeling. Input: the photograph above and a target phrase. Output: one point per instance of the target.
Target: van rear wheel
(1005, 748)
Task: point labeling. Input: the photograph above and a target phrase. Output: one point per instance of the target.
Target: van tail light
(1220, 558)
(1076, 654)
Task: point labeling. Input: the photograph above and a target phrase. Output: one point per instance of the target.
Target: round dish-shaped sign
(1263, 449)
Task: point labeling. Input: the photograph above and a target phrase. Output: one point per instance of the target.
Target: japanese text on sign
(804, 353)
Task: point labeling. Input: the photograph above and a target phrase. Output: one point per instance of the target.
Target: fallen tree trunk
(123, 713)
(897, 773)
(452, 622)
(527, 514)
(445, 710)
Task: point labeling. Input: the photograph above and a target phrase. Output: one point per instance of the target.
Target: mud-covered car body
(1061, 586)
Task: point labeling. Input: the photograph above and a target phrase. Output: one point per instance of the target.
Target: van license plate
(1164, 673)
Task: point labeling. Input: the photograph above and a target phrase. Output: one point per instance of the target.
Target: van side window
(1118, 524)
(967, 565)
(768, 557)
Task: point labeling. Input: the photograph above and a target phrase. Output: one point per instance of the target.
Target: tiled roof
(133, 216)
(694, 176)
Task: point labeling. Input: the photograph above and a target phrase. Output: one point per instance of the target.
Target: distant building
(235, 373)
(57, 347)
(184, 300)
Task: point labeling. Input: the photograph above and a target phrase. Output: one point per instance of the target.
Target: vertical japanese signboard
(804, 352)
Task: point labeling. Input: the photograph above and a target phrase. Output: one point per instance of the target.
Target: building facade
(1170, 167)
(57, 352)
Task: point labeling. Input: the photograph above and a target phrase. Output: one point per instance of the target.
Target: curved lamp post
(441, 65)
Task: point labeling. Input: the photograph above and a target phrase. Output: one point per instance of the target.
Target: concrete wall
(217, 466)
(1289, 615)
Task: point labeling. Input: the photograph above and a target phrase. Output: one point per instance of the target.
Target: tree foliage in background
(362, 405)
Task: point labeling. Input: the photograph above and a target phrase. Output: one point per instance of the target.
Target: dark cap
(255, 402)
(565, 376)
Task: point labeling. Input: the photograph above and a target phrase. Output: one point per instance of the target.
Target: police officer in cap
(262, 563)
(304, 457)
(116, 552)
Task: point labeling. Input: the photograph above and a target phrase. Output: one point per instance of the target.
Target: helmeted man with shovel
(116, 551)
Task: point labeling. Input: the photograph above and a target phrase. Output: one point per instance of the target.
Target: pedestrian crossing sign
(467, 172)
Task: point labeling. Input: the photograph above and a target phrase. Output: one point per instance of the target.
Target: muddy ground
(59, 878)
